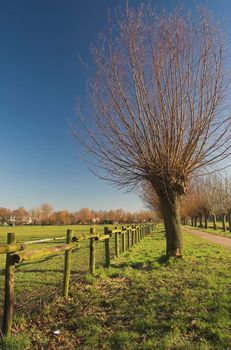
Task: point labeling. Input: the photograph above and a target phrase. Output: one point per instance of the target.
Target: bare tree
(20, 215)
(150, 199)
(189, 205)
(158, 105)
(36, 214)
(223, 196)
(5, 215)
(46, 210)
(212, 193)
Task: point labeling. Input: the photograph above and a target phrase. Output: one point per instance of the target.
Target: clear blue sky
(41, 79)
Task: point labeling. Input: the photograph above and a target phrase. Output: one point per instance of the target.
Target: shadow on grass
(38, 282)
(41, 271)
(163, 259)
(145, 265)
(72, 272)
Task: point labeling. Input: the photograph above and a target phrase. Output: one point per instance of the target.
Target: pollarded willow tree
(158, 104)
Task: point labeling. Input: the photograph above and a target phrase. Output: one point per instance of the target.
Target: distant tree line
(46, 215)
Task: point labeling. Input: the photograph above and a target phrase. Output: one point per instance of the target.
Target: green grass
(218, 231)
(143, 302)
(25, 233)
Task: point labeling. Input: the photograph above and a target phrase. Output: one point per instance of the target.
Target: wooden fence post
(67, 266)
(137, 234)
(107, 248)
(133, 236)
(92, 252)
(9, 290)
(117, 244)
(123, 239)
(128, 237)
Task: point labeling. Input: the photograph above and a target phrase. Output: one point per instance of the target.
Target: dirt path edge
(223, 241)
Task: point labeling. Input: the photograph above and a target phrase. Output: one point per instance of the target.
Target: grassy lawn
(141, 302)
(218, 231)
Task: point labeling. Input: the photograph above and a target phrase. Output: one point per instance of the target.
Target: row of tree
(209, 198)
(46, 215)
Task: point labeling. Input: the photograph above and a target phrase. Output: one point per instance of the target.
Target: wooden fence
(16, 253)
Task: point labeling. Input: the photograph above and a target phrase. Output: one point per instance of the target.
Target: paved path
(224, 241)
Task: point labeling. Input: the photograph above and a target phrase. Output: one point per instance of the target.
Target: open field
(25, 233)
(142, 302)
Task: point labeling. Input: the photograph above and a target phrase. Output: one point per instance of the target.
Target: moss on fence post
(133, 236)
(137, 239)
(117, 244)
(67, 266)
(107, 248)
(123, 239)
(9, 290)
(92, 252)
(128, 237)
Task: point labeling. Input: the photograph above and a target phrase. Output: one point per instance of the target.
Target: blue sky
(41, 78)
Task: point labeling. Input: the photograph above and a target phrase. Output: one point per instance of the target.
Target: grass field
(141, 302)
(25, 233)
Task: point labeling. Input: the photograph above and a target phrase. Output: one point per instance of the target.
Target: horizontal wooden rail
(40, 253)
(115, 231)
(89, 236)
(45, 240)
(102, 238)
(11, 248)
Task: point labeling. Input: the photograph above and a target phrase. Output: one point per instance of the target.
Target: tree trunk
(229, 216)
(170, 207)
(195, 222)
(223, 222)
(192, 218)
(206, 221)
(214, 222)
(183, 221)
(200, 221)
